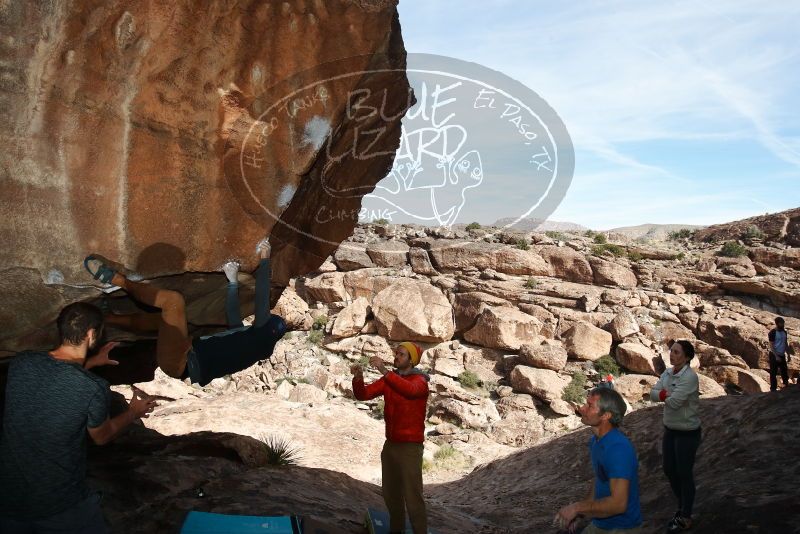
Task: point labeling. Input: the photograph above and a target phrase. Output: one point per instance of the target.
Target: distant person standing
(779, 351)
(679, 390)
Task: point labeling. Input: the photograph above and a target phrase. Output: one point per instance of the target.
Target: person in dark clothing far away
(405, 394)
(613, 501)
(201, 359)
(779, 354)
(52, 403)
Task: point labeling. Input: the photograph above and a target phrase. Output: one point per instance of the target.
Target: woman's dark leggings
(679, 449)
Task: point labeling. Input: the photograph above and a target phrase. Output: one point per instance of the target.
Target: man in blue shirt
(613, 501)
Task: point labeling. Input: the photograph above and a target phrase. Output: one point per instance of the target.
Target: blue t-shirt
(613, 456)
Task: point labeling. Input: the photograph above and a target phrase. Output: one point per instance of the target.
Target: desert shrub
(606, 365)
(575, 392)
(315, 337)
(381, 222)
(732, 249)
(616, 250)
(427, 465)
(683, 233)
(635, 256)
(469, 379)
(558, 236)
(753, 232)
(320, 322)
(522, 244)
(379, 408)
(589, 233)
(445, 452)
(473, 226)
(280, 451)
(531, 282)
(600, 239)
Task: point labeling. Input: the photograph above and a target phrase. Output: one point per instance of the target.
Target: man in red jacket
(405, 394)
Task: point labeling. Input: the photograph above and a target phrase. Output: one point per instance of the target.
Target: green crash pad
(208, 523)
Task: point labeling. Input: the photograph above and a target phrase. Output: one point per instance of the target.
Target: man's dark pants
(777, 364)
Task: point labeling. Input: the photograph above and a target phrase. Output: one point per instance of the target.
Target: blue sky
(679, 113)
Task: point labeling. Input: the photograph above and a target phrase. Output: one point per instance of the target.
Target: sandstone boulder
(568, 264)
(543, 356)
(585, 341)
(388, 253)
(637, 358)
(351, 319)
(467, 307)
(326, 287)
(413, 310)
(544, 384)
(635, 388)
(503, 328)
(623, 325)
(421, 262)
(349, 257)
(293, 310)
(609, 273)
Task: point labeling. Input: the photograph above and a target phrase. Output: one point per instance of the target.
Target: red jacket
(405, 403)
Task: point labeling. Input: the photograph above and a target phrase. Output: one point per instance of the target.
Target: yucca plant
(280, 451)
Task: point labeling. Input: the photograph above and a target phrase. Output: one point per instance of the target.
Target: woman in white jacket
(679, 390)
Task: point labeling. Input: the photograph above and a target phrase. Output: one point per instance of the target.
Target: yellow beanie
(414, 350)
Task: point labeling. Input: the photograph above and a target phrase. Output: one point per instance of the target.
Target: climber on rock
(613, 501)
(201, 358)
(52, 403)
(405, 395)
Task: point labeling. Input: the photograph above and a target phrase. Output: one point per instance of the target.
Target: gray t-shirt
(49, 405)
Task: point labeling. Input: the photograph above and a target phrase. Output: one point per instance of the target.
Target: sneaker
(679, 523)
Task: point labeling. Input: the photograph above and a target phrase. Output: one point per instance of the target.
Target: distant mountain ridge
(526, 225)
(655, 232)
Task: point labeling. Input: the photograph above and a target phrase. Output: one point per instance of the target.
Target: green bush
(558, 236)
(320, 322)
(280, 451)
(469, 379)
(473, 226)
(363, 360)
(379, 408)
(522, 244)
(381, 222)
(680, 256)
(600, 239)
(684, 233)
(315, 337)
(616, 250)
(531, 282)
(605, 365)
(732, 249)
(427, 465)
(635, 256)
(575, 392)
(445, 452)
(589, 233)
(753, 232)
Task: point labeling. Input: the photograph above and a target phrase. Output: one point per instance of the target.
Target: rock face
(637, 358)
(139, 131)
(411, 310)
(503, 328)
(542, 383)
(585, 341)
